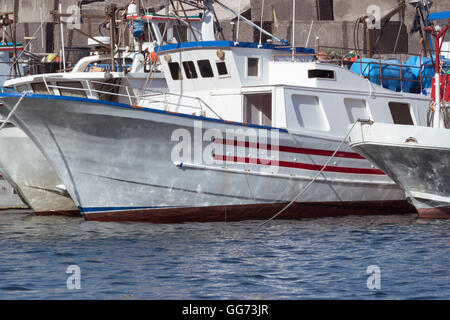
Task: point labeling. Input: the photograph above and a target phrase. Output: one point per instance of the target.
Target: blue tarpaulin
(439, 15)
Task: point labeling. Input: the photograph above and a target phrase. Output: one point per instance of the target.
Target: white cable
(13, 110)
(312, 181)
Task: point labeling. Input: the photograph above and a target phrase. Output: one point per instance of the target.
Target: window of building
(401, 113)
(205, 68)
(189, 70)
(175, 71)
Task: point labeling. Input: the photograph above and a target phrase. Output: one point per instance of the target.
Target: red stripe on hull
(434, 213)
(255, 212)
(314, 152)
(66, 213)
(297, 165)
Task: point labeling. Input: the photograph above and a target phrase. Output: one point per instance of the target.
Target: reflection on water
(304, 259)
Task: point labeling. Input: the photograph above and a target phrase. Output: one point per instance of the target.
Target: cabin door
(258, 108)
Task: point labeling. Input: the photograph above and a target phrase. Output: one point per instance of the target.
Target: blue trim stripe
(109, 209)
(229, 44)
(122, 105)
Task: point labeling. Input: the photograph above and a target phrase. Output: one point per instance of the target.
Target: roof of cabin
(228, 44)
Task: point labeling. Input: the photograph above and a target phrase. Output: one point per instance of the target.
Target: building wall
(339, 32)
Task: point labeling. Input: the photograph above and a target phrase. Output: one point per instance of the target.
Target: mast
(63, 53)
(111, 13)
(438, 34)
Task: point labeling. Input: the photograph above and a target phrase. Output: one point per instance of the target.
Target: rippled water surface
(305, 259)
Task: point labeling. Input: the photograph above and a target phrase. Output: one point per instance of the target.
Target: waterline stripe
(104, 209)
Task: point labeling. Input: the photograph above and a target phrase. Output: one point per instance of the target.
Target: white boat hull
(25, 167)
(9, 199)
(116, 162)
(417, 158)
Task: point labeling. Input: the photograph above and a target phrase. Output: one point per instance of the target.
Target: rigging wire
(238, 22)
(312, 181)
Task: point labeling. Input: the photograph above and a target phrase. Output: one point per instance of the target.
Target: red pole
(438, 37)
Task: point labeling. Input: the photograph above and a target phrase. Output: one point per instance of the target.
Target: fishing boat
(26, 169)
(93, 77)
(417, 157)
(243, 129)
(9, 199)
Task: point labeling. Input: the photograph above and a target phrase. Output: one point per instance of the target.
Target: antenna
(63, 53)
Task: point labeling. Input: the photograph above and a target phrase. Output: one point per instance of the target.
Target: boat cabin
(268, 85)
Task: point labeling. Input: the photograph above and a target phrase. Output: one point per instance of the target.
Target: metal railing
(340, 56)
(149, 96)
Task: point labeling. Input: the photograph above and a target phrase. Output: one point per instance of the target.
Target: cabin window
(71, 89)
(205, 68)
(309, 113)
(22, 88)
(107, 90)
(180, 33)
(401, 113)
(356, 109)
(39, 88)
(253, 67)
(258, 109)
(321, 74)
(222, 68)
(189, 70)
(175, 71)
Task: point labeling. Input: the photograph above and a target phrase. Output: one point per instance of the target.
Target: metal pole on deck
(111, 12)
(293, 30)
(63, 53)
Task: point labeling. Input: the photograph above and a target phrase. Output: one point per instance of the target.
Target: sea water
(357, 257)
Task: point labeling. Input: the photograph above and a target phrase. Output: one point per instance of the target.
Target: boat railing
(146, 95)
(346, 57)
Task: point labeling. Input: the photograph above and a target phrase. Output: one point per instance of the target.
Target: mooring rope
(313, 180)
(13, 110)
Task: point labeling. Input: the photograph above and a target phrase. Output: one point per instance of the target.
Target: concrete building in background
(333, 21)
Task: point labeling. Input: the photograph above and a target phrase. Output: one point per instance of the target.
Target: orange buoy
(153, 56)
